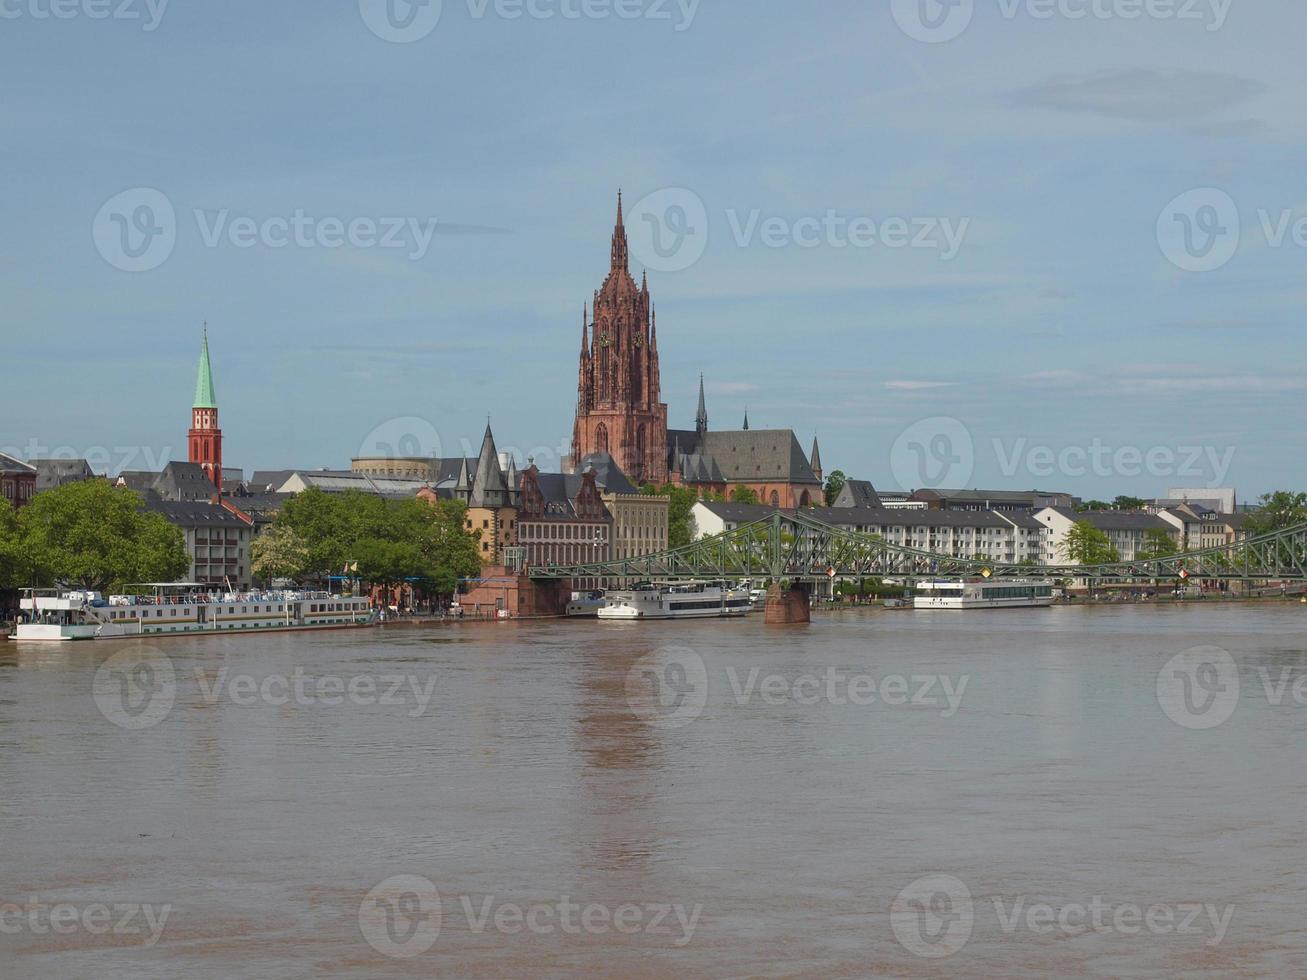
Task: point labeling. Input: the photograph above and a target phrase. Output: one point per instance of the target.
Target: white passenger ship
(982, 594)
(51, 616)
(699, 600)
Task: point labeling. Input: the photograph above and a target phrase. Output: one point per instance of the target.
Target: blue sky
(1063, 327)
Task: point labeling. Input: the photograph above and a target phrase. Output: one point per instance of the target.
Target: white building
(1126, 531)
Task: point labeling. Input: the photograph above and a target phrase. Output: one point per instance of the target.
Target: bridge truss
(798, 548)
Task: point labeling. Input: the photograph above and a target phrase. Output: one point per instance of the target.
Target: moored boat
(697, 600)
(982, 594)
(55, 616)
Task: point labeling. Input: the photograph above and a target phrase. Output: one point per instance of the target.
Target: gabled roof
(184, 481)
(51, 473)
(857, 493)
(8, 464)
(189, 513)
(608, 475)
(758, 455)
(734, 513)
(1115, 520)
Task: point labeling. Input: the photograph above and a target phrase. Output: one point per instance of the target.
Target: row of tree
(382, 542)
(92, 535)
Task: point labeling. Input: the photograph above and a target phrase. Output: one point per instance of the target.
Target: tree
(1129, 503)
(1277, 511)
(1157, 544)
(14, 570)
(1087, 545)
(680, 516)
(743, 495)
(1093, 505)
(95, 535)
(834, 484)
(278, 553)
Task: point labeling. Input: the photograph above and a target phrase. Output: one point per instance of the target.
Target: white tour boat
(51, 616)
(982, 594)
(698, 600)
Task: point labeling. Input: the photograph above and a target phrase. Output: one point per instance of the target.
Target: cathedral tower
(619, 407)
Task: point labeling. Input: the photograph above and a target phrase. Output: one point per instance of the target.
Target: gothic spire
(815, 459)
(620, 260)
(746, 418)
(204, 396)
(585, 328)
(701, 419)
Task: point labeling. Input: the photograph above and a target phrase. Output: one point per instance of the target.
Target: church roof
(204, 394)
(758, 455)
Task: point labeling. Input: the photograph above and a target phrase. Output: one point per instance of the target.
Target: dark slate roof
(608, 475)
(268, 481)
(560, 491)
(759, 454)
(261, 504)
(51, 473)
(857, 493)
(1023, 519)
(184, 481)
(138, 480)
(890, 517)
(1116, 520)
(738, 513)
(185, 513)
(8, 464)
(696, 468)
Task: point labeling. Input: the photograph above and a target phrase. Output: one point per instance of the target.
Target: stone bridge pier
(788, 607)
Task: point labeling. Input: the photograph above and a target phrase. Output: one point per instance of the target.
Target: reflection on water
(821, 778)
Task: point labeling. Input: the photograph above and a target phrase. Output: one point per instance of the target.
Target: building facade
(619, 407)
(17, 481)
(217, 540)
(562, 520)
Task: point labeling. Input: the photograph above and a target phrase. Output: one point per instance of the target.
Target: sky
(998, 243)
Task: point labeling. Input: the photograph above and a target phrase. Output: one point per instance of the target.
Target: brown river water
(1024, 793)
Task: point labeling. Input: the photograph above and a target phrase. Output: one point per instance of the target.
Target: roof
(51, 473)
(8, 464)
(204, 394)
(266, 480)
(185, 513)
(737, 513)
(1115, 520)
(184, 481)
(560, 491)
(991, 496)
(857, 493)
(608, 475)
(887, 517)
(759, 454)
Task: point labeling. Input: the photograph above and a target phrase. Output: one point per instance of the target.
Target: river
(1023, 793)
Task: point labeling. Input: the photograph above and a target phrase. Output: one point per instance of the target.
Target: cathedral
(619, 411)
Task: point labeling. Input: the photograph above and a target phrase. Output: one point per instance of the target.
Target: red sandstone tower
(205, 438)
(619, 409)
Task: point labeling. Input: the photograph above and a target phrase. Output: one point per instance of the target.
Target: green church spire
(204, 396)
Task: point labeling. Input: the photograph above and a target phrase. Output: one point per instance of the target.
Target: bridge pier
(788, 607)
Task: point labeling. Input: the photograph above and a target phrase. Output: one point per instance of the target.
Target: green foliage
(1087, 545)
(743, 495)
(97, 536)
(680, 520)
(834, 484)
(390, 541)
(1129, 503)
(14, 572)
(1277, 511)
(1093, 505)
(1157, 544)
(278, 553)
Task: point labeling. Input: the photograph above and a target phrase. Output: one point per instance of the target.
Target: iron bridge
(801, 549)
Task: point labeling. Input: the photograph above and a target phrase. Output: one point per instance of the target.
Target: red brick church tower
(204, 441)
(619, 409)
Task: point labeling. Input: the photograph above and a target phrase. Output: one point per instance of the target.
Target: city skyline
(1060, 324)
